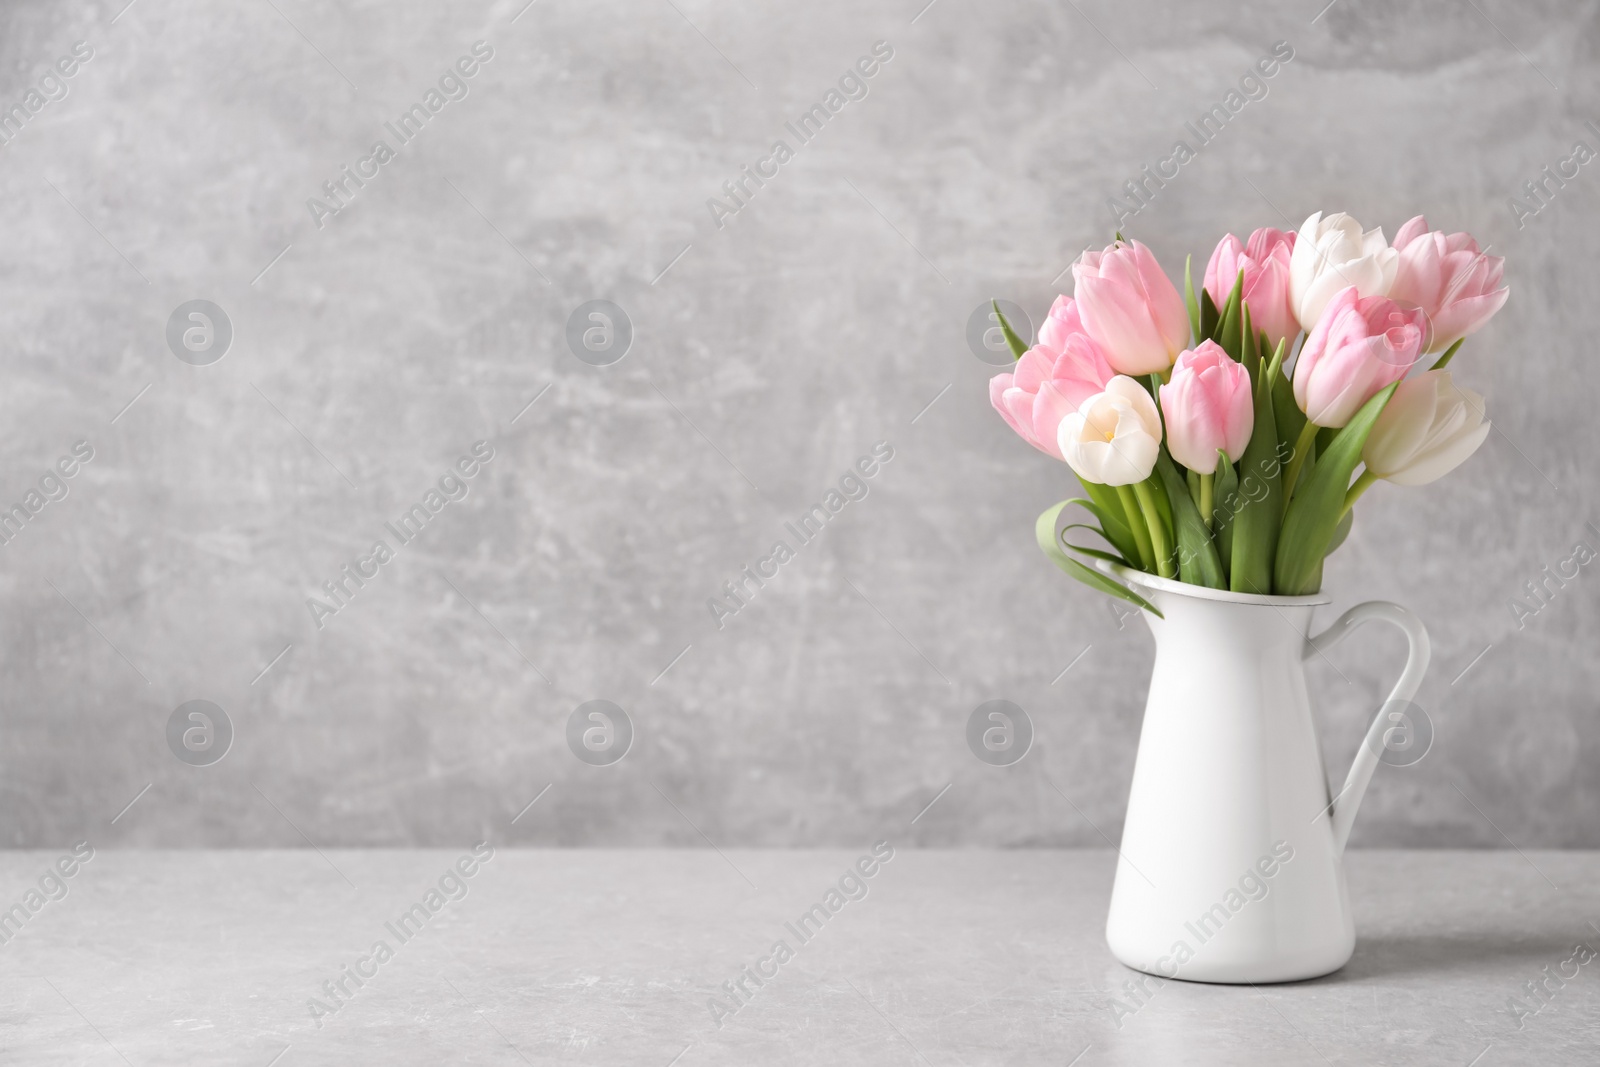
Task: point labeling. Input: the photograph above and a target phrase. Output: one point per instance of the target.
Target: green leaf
(1274, 365)
(1224, 488)
(1197, 555)
(1227, 332)
(1193, 481)
(1208, 316)
(1045, 532)
(1189, 300)
(1248, 354)
(1105, 505)
(1098, 553)
(1341, 531)
(1449, 354)
(1254, 532)
(1109, 557)
(1096, 580)
(1285, 409)
(1018, 346)
(1163, 506)
(1313, 515)
(1307, 468)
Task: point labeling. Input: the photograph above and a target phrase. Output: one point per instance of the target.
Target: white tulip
(1426, 430)
(1331, 254)
(1115, 437)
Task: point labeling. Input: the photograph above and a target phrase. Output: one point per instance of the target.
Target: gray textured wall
(824, 317)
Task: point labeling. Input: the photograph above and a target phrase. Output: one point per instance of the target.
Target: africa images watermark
(852, 486)
(1540, 192)
(53, 485)
(1541, 991)
(52, 887)
(851, 886)
(451, 888)
(1254, 886)
(341, 190)
(52, 86)
(1141, 191)
(453, 487)
(1538, 593)
(852, 85)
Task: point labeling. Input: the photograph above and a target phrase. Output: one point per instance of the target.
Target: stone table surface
(613, 957)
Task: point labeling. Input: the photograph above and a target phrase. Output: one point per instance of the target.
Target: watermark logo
(199, 733)
(853, 485)
(345, 186)
(53, 485)
(1542, 990)
(1541, 191)
(985, 338)
(451, 888)
(851, 886)
(199, 332)
(1538, 593)
(49, 88)
(1252, 887)
(599, 732)
(1141, 191)
(1407, 734)
(599, 333)
(999, 732)
(853, 85)
(52, 886)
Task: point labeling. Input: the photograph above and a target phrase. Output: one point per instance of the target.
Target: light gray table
(611, 957)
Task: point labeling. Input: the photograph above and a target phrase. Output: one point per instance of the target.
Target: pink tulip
(1445, 275)
(1131, 308)
(1208, 406)
(1052, 379)
(1265, 262)
(1359, 346)
(1061, 324)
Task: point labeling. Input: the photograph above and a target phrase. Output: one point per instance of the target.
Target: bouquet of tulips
(1218, 438)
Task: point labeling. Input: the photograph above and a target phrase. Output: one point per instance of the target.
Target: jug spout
(1396, 709)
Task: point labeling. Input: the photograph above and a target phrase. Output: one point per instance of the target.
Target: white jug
(1231, 867)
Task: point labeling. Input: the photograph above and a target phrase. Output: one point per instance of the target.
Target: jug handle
(1348, 801)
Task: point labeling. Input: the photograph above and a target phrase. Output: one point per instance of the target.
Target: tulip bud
(1265, 262)
(1208, 406)
(1115, 437)
(1426, 430)
(1131, 308)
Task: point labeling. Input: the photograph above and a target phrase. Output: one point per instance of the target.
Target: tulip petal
(1033, 367)
(1410, 231)
(1122, 326)
(1402, 428)
(1444, 460)
(1050, 407)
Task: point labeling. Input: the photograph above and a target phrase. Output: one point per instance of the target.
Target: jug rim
(1200, 592)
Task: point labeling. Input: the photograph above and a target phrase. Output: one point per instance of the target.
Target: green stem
(1136, 523)
(1449, 354)
(1158, 532)
(1205, 498)
(1362, 484)
(1302, 448)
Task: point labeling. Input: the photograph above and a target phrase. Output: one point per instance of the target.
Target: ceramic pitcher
(1231, 865)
